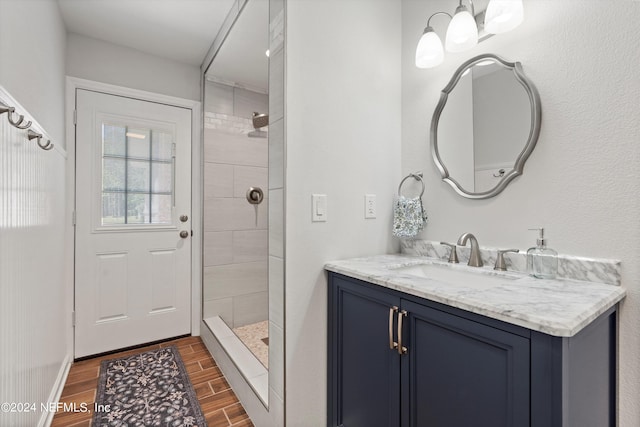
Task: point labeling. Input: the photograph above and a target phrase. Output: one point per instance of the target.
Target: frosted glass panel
(138, 174)
(113, 207)
(162, 144)
(138, 211)
(113, 140)
(138, 143)
(160, 209)
(162, 174)
(113, 178)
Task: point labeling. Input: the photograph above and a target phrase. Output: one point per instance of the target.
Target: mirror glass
(485, 126)
(236, 171)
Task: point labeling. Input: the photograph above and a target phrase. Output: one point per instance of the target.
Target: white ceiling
(181, 30)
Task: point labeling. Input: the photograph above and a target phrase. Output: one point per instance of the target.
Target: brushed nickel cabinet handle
(392, 343)
(401, 314)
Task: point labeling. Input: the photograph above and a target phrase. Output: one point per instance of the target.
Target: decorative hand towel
(409, 216)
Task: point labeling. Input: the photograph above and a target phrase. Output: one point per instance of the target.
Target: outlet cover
(369, 206)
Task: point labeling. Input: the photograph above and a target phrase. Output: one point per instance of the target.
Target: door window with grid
(137, 175)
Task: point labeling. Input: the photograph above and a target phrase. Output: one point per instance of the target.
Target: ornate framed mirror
(485, 126)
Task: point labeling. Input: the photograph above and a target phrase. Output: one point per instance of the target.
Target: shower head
(260, 120)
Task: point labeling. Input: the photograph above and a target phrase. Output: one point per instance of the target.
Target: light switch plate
(318, 207)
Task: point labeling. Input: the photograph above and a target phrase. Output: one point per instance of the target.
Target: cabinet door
(459, 373)
(364, 373)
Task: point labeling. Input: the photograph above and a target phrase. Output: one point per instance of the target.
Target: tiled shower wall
(235, 232)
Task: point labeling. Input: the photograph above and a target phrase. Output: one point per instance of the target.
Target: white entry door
(133, 222)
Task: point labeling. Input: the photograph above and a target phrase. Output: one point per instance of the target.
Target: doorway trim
(74, 83)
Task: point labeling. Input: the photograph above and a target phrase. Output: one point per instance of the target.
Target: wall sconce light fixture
(462, 33)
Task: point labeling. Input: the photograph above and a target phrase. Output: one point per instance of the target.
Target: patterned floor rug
(146, 389)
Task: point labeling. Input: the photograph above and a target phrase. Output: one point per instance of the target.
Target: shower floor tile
(256, 337)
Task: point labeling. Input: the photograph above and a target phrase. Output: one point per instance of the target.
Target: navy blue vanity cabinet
(396, 360)
(460, 373)
(364, 372)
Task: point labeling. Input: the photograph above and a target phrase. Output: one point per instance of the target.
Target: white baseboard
(56, 391)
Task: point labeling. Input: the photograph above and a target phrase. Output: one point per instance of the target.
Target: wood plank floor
(219, 403)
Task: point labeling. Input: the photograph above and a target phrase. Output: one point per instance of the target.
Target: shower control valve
(255, 195)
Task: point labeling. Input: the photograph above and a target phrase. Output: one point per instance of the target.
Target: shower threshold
(247, 363)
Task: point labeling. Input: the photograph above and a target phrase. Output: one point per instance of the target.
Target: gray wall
(32, 68)
(582, 181)
(342, 130)
(104, 62)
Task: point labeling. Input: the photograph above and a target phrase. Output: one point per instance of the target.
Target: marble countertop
(560, 307)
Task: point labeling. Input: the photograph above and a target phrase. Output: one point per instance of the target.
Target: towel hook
(10, 112)
(48, 146)
(19, 121)
(38, 136)
(417, 176)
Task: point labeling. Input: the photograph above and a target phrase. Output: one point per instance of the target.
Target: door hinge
(75, 117)
(73, 218)
(73, 319)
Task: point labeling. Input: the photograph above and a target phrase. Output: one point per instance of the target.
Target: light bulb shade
(429, 52)
(462, 33)
(503, 15)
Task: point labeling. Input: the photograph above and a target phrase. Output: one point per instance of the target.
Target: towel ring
(417, 176)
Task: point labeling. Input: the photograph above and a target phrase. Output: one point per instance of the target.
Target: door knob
(184, 218)
(184, 234)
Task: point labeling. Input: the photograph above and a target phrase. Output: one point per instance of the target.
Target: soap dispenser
(542, 262)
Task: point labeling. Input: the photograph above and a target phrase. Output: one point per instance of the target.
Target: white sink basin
(480, 279)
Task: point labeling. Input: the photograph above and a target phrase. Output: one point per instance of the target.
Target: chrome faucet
(475, 260)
